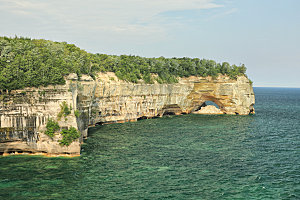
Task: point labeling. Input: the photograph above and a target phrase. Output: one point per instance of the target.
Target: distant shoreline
(287, 87)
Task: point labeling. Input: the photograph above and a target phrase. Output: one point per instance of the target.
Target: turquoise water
(177, 157)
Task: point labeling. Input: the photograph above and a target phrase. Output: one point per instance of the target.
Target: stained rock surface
(24, 113)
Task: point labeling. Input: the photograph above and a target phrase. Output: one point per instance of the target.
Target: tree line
(26, 62)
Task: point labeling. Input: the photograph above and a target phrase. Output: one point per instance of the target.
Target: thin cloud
(223, 14)
(107, 12)
(22, 4)
(127, 18)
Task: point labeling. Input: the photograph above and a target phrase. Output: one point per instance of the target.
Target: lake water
(177, 157)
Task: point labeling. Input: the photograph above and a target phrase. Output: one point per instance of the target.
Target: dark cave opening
(168, 113)
(141, 118)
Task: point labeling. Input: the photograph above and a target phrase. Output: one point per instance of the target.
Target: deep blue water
(178, 157)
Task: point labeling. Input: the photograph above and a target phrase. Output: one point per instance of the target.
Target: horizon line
(260, 86)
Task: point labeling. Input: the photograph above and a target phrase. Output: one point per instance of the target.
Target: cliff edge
(24, 114)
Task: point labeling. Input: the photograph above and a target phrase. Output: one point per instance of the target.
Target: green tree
(26, 62)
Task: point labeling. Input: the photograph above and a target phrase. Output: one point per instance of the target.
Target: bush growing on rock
(69, 135)
(65, 110)
(52, 127)
(77, 113)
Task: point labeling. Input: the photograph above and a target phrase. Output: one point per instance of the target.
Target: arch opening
(207, 103)
(210, 105)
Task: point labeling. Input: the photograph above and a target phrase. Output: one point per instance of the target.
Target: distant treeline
(26, 62)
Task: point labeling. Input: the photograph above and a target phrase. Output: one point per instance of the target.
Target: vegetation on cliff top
(26, 62)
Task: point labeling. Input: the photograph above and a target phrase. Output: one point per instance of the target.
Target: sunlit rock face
(24, 113)
(209, 110)
(232, 96)
(117, 100)
(23, 118)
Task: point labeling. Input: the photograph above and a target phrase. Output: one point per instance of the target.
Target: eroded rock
(24, 113)
(209, 110)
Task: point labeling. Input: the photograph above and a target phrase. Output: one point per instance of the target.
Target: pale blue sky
(262, 34)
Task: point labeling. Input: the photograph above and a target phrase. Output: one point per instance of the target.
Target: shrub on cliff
(69, 135)
(77, 113)
(52, 126)
(65, 110)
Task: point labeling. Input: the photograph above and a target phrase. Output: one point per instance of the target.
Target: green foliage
(251, 82)
(65, 110)
(69, 135)
(77, 113)
(133, 68)
(2, 97)
(42, 93)
(26, 62)
(52, 126)
(147, 78)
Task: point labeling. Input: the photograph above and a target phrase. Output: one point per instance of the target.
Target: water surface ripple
(178, 157)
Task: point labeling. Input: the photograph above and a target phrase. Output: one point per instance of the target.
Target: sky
(262, 34)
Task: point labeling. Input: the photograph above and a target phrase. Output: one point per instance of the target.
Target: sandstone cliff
(24, 113)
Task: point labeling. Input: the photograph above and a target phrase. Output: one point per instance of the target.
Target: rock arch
(232, 96)
(213, 99)
(104, 101)
(202, 106)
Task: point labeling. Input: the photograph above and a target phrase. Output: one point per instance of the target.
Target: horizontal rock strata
(24, 113)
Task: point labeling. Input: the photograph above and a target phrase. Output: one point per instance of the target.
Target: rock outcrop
(24, 113)
(209, 110)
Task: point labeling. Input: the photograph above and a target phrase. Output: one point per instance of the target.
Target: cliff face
(24, 114)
